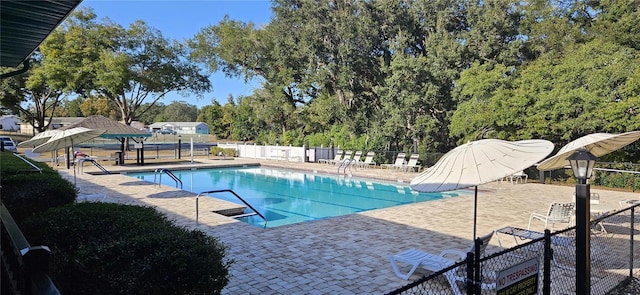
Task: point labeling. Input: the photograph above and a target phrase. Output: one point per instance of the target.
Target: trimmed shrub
(28, 193)
(229, 152)
(102, 248)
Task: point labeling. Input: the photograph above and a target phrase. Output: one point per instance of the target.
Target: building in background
(179, 128)
(10, 123)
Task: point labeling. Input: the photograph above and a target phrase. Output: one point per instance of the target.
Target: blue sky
(181, 20)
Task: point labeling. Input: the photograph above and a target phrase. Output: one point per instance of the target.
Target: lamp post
(582, 162)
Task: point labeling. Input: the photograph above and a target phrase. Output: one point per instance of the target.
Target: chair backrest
(347, 155)
(400, 159)
(357, 156)
(369, 158)
(338, 156)
(485, 242)
(413, 161)
(561, 210)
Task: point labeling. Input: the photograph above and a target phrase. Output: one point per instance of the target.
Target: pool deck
(341, 255)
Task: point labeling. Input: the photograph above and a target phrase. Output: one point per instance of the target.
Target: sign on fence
(519, 279)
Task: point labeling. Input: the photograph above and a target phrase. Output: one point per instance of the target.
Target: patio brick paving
(341, 255)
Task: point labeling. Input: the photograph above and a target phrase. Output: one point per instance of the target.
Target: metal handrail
(28, 162)
(237, 196)
(347, 164)
(159, 171)
(82, 160)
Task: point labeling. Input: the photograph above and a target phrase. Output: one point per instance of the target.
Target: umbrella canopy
(480, 162)
(113, 129)
(68, 138)
(39, 138)
(599, 144)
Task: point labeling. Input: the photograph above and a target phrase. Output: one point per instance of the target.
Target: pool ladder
(255, 212)
(158, 173)
(347, 164)
(94, 162)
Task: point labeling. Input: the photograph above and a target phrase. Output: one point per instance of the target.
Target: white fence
(269, 152)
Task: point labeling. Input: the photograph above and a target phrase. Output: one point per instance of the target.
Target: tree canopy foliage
(129, 68)
(436, 72)
(382, 74)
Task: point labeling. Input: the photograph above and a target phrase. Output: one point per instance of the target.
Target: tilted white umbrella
(39, 138)
(599, 144)
(480, 162)
(68, 138)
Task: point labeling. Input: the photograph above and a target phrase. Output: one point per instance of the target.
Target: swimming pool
(286, 197)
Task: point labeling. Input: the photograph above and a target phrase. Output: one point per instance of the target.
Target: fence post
(547, 256)
(469, 282)
(632, 233)
(476, 267)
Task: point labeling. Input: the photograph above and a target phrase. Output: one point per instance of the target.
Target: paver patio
(341, 255)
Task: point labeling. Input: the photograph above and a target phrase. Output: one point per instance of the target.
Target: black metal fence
(544, 263)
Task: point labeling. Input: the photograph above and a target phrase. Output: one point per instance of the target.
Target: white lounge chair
(557, 213)
(518, 176)
(356, 158)
(398, 163)
(368, 161)
(432, 262)
(412, 164)
(337, 157)
(347, 157)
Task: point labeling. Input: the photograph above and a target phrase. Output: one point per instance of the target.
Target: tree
(127, 66)
(178, 111)
(33, 94)
(588, 90)
(246, 124)
(99, 105)
(73, 108)
(152, 111)
(212, 115)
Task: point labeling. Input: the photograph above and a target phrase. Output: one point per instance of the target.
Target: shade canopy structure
(68, 138)
(113, 129)
(480, 162)
(39, 138)
(599, 144)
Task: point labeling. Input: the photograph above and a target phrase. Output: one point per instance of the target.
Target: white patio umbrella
(599, 144)
(68, 138)
(480, 162)
(39, 138)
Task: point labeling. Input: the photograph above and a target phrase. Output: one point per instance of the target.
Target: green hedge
(102, 248)
(228, 152)
(26, 193)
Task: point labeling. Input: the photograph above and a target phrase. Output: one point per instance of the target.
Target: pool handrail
(347, 164)
(237, 196)
(168, 172)
(94, 162)
(37, 169)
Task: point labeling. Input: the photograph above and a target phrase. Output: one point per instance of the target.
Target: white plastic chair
(557, 213)
(432, 262)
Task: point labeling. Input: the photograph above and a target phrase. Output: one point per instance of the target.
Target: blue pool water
(287, 197)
